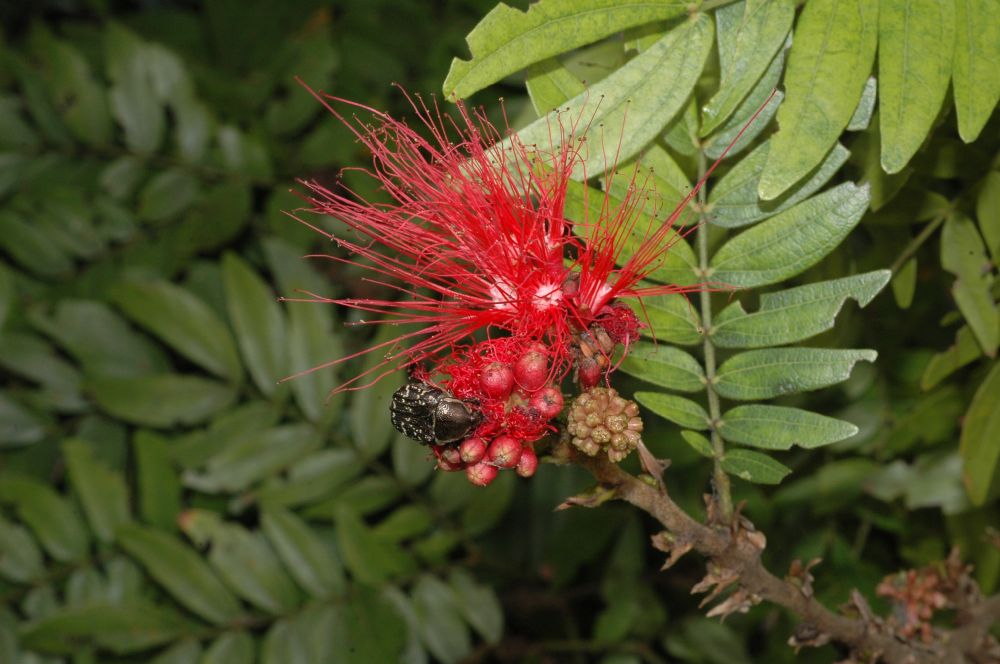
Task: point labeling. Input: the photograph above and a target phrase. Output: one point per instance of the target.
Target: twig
(740, 557)
(910, 249)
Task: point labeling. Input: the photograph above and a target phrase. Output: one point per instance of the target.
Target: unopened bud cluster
(917, 595)
(602, 421)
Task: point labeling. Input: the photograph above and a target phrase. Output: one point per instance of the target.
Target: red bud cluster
(512, 385)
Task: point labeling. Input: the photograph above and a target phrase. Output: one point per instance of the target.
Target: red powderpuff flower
(475, 238)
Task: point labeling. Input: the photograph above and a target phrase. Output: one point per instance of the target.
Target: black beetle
(430, 415)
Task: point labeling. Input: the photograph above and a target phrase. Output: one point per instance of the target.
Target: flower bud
(588, 372)
(532, 370)
(448, 458)
(449, 454)
(496, 379)
(548, 402)
(528, 463)
(472, 450)
(504, 451)
(481, 474)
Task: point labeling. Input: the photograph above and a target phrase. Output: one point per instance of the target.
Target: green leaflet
(792, 241)
(18, 425)
(404, 523)
(698, 443)
(31, 248)
(135, 103)
(737, 133)
(508, 40)
(20, 558)
(53, 519)
(99, 339)
(866, 107)
(102, 491)
(916, 39)
(733, 201)
(678, 410)
(585, 206)
(311, 342)
(831, 58)
(123, 628)
(795, 314)
(317, 475)
(665, 366)
(988, 212)
(371, 428)
(81, 99)
(370, 560)
(945, 363)
(631, 107)
(671, 319)
(253, 456)
(185, 651)
(183, 321)
(161, 401)
(309, 560)
(964, 255)
(754, 467)
(167, 195)
(370, 494)
(259, 324)
(974, 79)
(904, 284)
(666, 181)
(233, 647)
(372, 630)
(550, 84)
(158, 485)
(780, 427)
(749, 34)
(30, 357)
(7, 295)
(438, 621)
(181, 571)
(244, 560)
(479, 605)
(768, 373)
(980, 433)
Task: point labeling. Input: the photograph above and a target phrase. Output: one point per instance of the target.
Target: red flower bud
(472, 450)
(528, 463)
(481, 474)
(548, 402)
(588, 372)
(532, 370)
(449, 454)
(496, 379)
(448, 458)
(504, 451)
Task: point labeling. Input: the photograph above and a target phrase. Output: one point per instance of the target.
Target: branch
(735, 550)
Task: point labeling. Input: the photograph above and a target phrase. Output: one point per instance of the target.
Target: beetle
(430, 415)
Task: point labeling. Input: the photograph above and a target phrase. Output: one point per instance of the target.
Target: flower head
(475, 240)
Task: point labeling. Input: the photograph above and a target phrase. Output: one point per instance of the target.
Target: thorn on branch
(674, 546)
(593, 497)
(800, 575)
(807, 635)
(653, 466)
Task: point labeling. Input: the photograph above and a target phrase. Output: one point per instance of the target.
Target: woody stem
(720, 479)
